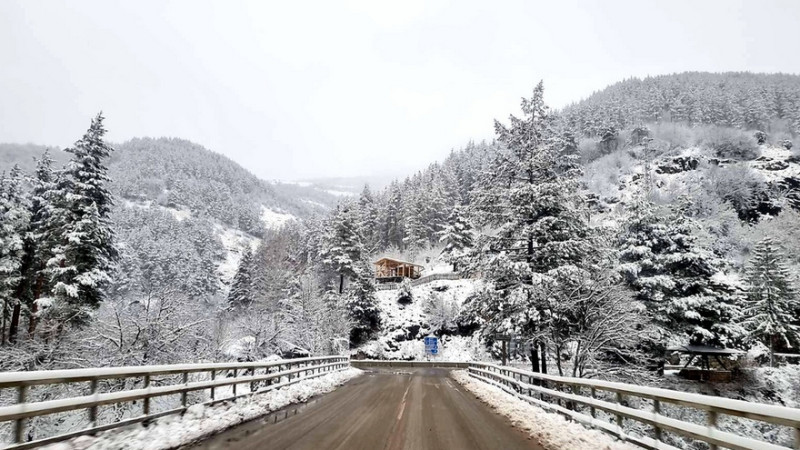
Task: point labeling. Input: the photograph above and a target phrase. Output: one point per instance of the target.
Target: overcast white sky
(298, 89)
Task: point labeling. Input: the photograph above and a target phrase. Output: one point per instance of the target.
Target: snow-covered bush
(728, 143)
(675, 135)
(603, 175)
(740, 185)
(443, 311)
(587, 147)
(404, 294)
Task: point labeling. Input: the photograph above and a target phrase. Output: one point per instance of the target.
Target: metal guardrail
(422, 280)
(276, 374)
(372, 363)
(549, 389)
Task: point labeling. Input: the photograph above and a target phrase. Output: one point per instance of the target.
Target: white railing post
(146, 403)
(235, 371)
(19, 424)
(711, 421)
(93, 408)
(797, 438)
(184, 394)
(657, 410)
(213, 378)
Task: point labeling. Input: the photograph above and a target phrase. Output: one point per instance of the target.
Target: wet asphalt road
(382, 409)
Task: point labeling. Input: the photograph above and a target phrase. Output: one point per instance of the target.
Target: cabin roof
(385, 259)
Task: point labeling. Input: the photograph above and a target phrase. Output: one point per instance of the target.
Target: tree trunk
(37, 294)
(558, 361)
(3, 327)
(534, 358)
(772, 351)
(543, 350)
(341, 283)
(13, 327)
(455, 267)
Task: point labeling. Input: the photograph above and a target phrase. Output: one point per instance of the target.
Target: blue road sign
(432, 345)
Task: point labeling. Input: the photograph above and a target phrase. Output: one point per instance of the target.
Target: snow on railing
(422, 280)
(562, 394)
(274, 375)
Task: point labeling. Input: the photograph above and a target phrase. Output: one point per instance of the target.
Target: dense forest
(673, 220)
(767, 102)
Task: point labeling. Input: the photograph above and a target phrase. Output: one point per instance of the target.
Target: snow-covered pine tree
(457, 237)
(392, 220)
(368, 213)
(417, 227)
(541, 236)
(14, 220)
(361, 303)
(39, 239)
(680, 282)
(241, 293)
(343, 255)
(82, 262)
(342, 247)
(772, 302)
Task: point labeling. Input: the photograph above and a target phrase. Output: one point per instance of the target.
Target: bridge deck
(419, 408)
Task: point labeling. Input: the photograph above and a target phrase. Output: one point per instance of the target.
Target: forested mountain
(654, 218)
(768, 102)
(179, 174)
(182, 217)
(676, 210)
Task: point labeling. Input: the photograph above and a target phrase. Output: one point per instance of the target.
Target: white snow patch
(200, 421)
(340, 193)
(273, 219)
(178, 214)
(552, 431)
(314, 203)
(235, 242)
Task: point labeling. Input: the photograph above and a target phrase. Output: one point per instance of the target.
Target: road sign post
(431, 345)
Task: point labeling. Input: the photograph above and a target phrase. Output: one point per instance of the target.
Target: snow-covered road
(384, 409)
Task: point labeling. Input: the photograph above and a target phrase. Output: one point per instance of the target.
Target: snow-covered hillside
(404, 325)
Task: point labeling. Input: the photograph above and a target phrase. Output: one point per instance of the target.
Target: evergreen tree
(771, 298)
(369, 219)
(343, 255)
(39, 239)
(342, 247)
(393, 217)
(361, 303)
(457, 237)
(417, 227)
(14, 220)
(680, 282)
(241, 287)
(541, 236)
(82, 262)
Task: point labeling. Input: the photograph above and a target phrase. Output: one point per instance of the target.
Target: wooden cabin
(389, 270)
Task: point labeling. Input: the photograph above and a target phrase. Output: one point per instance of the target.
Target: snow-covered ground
(405, 325)
(553, 431)
(200, 421)
(274, 219)
(178, 214)
(341, 193)
(234, 242)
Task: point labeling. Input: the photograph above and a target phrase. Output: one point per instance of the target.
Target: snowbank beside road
(200, 421)
(553, 431)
